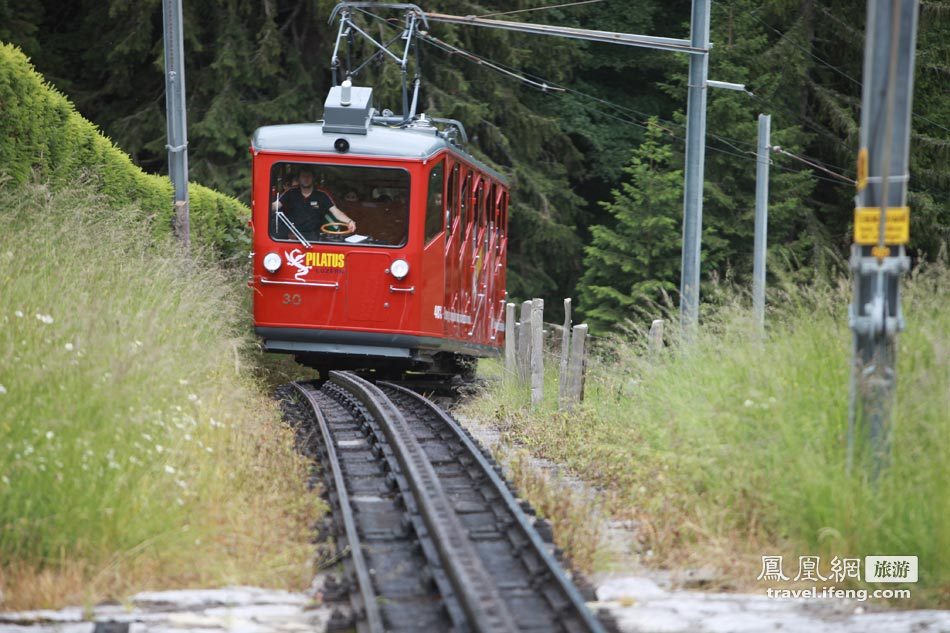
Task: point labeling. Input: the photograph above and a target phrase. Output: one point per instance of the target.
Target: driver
(308, 208)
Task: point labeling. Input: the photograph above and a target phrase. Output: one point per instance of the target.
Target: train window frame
(465, 197)
(452, 196)
(503, 222)
(434, 207)
(482, 208)
(272, 220)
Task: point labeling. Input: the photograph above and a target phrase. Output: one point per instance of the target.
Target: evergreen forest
(591, 135)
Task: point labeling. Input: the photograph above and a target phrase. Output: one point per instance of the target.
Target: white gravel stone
(649, 620)
(228, 610)
(739, 622)
(257, 612)
(62, 627)
(206, 598)
(43, 616)
(655, 610)
(629, 588)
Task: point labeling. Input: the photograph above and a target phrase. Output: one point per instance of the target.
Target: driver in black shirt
(308, 208)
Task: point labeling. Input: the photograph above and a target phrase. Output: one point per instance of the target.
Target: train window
(451, 205)
(434, 203)
(323, 203)
(482, 211)
(492, 209)
(503, 214)
(466, 199)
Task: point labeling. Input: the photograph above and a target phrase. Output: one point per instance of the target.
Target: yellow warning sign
(862, 180)
(867, 225)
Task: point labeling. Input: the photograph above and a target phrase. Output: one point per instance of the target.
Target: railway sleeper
(502, 556)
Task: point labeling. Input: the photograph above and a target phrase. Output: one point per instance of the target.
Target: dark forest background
(596, 168)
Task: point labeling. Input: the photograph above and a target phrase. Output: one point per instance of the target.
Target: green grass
(134, 449)
(735, 447)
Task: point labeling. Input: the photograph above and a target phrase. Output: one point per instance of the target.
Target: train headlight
(399, 268)
(272, 262)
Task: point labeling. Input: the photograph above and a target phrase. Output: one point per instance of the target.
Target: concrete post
(175, 114)
(761, 220)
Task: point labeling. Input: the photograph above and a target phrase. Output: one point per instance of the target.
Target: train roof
(380, 141)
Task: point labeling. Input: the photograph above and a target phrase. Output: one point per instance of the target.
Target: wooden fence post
(510, 342)
(577, 365)
(524, 341)
(565, 351)
(537, 351)
(656, 336)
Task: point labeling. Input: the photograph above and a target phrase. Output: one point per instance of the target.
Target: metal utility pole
(695, 159)
(761, 220)
(175, 115)
(878, 258)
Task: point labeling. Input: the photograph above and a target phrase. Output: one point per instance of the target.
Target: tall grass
(735, 446)
(133, 449)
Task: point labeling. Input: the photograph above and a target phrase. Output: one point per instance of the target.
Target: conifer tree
(634, 264)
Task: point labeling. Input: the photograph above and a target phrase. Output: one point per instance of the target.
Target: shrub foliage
(43, 137)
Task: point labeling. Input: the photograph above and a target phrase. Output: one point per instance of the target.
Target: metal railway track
(435, 540)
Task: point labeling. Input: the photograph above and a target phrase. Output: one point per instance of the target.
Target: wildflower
(748, 403)
(69, 347)
(181, 484)
(187, 437)
(182, 381)
(192, 397)
(19, 314)
(169, 469)
(45, 318)
(3, 390)
(159, 448)
(148, 438)
(49, 435)
(138, 343)
(209, 449)
(180, 501)
(5, 480)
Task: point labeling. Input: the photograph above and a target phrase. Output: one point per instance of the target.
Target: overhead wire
(739, 152)
(545, 85)
(820, 60)
(541, 8)
(778, 149)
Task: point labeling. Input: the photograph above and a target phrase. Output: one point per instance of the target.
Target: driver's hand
(351, 225)
(276, 205)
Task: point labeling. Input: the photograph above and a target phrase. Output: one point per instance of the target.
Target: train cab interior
(375, 198)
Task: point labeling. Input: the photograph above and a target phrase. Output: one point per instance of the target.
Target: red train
(378, 243)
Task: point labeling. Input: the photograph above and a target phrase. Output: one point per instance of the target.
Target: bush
(41, 133)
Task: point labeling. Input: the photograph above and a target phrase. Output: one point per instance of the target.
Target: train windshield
(339, 204)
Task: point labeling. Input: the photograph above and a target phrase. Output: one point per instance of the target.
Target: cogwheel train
(377, 242)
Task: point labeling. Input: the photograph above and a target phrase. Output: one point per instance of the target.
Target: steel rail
(577, 601)
(371, 610)
(486, 610)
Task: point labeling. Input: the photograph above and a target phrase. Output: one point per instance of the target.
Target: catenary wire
(546, 85)
(541, 8)
(822, 61)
